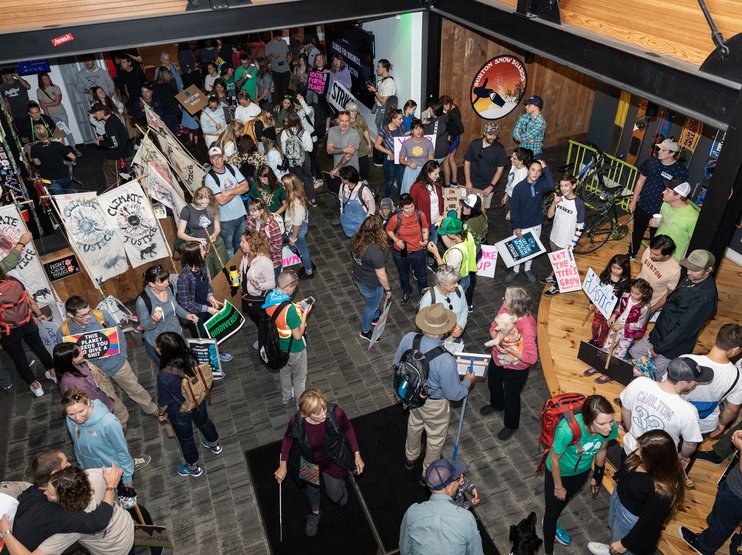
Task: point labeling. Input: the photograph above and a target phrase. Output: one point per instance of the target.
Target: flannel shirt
(273, 235)
(530, 132)
(185, 293)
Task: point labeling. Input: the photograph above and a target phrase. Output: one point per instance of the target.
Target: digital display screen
(32, 67)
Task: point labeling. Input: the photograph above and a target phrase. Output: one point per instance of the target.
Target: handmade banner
(207, 352)
(600, 295)
(224, 323)
(101, 343)
(192, 99)
(487, 262)
(28, 270)
(498, 86)
(130, 213)
(290, 258)
(380, 325)
(190, 172)
(91, 235)
(161, 189)
(317, 81)
(565, 270)
(48, 333)
(153, 120)
(398, 141)
(515, 250)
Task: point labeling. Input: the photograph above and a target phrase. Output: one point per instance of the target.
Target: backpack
(97, 314)
(294, 148)
(556, 408)
(215, 176)
(411, 374)
(432, 295)
(269, 342)
(15, 309)
(361, 187)
(196, 388)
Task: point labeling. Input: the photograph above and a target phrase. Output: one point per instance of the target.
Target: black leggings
(554, 507)
(641, 222)
(13, 345)
(470, 290)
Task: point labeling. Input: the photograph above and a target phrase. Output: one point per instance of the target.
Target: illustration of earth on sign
(498, 87)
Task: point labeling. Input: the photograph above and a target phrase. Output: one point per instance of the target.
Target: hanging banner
(153, 120)
(189, 171)
(224, 323)
(130, 213)
(101, 343)
(92, 236)
(498, 87)
(565, 270)
(162, 190)
(29, 270)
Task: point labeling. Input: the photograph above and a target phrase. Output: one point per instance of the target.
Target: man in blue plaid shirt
(531, 127)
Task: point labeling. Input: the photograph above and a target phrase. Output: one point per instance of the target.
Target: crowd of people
(263, 128)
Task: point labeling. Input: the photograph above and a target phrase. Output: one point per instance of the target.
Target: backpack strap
(360, 196)
(399, 222)
(215, 176)
(276, 313)
(574, 426)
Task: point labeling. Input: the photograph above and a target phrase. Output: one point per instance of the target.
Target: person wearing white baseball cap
(650, 186)
(678, 216)
(228, 184)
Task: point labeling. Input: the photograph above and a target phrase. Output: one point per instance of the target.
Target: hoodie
(100, 441)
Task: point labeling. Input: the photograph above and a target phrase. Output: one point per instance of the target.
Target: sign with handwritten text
(488, 261)
(600, 295)
(317, 81)
(101, 343)
(565, 270)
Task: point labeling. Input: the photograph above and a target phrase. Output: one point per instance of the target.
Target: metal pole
(461, 417)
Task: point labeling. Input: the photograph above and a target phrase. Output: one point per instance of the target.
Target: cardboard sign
(192, 99)
(338, 96)
(452, 196)
(317, 81)
(565, 270)
(224, 323)
(207, 352)
(380, 325)
(514, 250)
(600, 295)
(488, 261)
(152, 535)
(62, 268)
(101, 343)
(398, 141)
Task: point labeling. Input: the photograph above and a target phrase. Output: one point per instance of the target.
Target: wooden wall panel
(568, 95)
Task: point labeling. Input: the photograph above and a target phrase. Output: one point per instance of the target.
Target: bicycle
(602, 222)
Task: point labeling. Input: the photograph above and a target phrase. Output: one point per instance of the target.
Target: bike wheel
(598, 229)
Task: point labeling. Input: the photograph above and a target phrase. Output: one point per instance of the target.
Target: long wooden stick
(213, 246)
(610, 351)
(589, 312)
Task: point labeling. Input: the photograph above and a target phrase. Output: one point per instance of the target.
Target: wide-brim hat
(435, 319)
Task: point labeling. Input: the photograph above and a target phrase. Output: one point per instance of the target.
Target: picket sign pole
(213, 246)
(461, 418)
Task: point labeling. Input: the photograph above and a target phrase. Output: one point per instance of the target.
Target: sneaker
(49, 376)
(547, 280)
(551, 291)
(216, 448)
(378, 165)
(487, 410)
(530, 276)
(312, 524)
(141, 462)
(511, 276)
(597, 548)
(413, 276)
(405, 299)
(38, 391)
(409, 466)
(504, 434)
(303, 274)
(562, 536)
(8, 387)
(218, 376)
(187, 470)
(709, 456)
(366, 336)
(225, 357)
(691, 538)
(255, 345)
(287, 402)
(470, 309)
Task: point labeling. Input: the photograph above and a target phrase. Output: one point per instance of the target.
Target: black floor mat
(386, 488)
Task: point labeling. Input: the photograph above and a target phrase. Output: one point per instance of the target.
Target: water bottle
(234, 276)
(402, 389)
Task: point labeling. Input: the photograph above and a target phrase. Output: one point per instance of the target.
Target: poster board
(192, 99)
(207, 352)
(514, 250)
(289, 257)
(95, 344)
(486, 264)
(62, 267)
(380, 325)
(600, 295)
(317, 81)
(152, 535)
(565, 270)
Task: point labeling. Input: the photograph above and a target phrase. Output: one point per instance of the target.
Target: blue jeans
(181, 422)
(392, 172)
(620, 520)
(722, 520)
(231, 233)
(151, 352)
(372, 296)
(61, 186)
(416, 260)
(303, 248)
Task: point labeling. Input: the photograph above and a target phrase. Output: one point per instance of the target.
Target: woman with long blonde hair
(229, 141)
(199, 221)
(297, 222)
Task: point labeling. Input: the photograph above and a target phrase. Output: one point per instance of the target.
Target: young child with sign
(617, 273)
(568, 211)
(629, 319)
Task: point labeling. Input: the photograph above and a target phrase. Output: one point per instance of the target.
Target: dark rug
(385, 487)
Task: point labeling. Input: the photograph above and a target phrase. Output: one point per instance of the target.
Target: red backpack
(15, 309)
(559, 407)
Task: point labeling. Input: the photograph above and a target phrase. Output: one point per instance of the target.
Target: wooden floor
(560, 331)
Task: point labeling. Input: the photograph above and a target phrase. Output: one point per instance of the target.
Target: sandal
(603, 379)
(590, 372)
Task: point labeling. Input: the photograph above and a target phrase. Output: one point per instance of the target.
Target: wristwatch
(3, 534)
(113, 489)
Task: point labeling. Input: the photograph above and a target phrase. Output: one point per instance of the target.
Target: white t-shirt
(386, 87)
(653, 409)
(209, 82)
(569, 215)
(724, 376)
(515, 176)
(660, 275)
(247, 113)
(434, 212)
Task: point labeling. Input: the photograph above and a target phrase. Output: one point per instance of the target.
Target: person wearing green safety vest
(460, 247)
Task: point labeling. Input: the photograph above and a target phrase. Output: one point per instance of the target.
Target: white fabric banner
(162, 189)
(92, 236)
(130, 213)
(29, 270)
(189, 171)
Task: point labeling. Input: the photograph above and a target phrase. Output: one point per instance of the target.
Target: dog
(523, 537)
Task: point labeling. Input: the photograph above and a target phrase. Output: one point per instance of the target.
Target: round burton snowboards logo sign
(498, 87)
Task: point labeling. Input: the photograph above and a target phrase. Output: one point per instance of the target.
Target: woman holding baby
(514, 350)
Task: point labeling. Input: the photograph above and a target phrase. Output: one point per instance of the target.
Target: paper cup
(657, 218)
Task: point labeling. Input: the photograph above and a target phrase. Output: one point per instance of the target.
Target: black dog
(524, 538)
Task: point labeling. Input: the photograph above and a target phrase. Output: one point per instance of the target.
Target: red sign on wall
(62, 39)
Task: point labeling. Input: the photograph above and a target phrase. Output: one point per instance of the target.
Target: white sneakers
(597, 548)
(38, 391)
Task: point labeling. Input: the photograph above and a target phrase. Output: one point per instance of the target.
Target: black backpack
(411, 374)
(215, 176)
(269, 343)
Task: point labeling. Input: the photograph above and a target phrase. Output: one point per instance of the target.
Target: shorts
(454, 144)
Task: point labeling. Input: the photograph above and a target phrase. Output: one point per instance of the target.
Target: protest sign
(207, 352)
(224, 323)
(48, 333)
(338, 96)
(62, 268)
(515, 250)
(317, 81)
(473, 362)
(290, 258)
(488, 261)
(192, 99)
(380, 325)
(600, 295)
(565, 270)
(101, 343)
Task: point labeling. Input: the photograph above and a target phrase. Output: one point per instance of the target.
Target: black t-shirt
(26, 125)
(484, 162)
(17, 97)
(131, 82)
(364, 268)
(51, 155)
(166, 92)
(439, 127)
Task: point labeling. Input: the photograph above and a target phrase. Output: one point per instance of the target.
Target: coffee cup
(657, 219)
